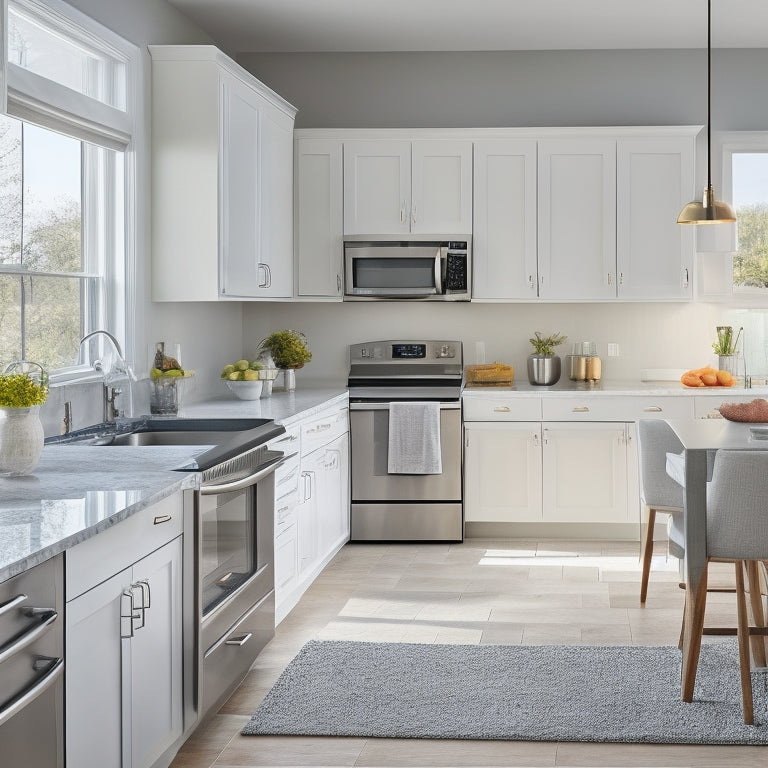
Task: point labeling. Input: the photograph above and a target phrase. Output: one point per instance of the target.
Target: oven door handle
(31, 693)
(385, 406)
(245, 482)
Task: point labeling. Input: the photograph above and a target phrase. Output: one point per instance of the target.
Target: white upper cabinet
(655, 179)
(319, 218)
(404, 187)
(504, 225)
(222, 180)
(577, 219)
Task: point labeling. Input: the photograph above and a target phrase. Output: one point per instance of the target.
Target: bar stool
(737, 532)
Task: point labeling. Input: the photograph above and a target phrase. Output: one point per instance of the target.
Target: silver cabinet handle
(160, 519)
(402, 212)
(239, 639)
(609, 278)
(131, 615)
(267, 274)
(502, 409)
(685, 277)
(580, 409)
(653, 409)
(12, 603)
(535, 439)
(338, 283)
(545, 436)
(28, 696)
(308, 482)
(413, 212)
(47, 617)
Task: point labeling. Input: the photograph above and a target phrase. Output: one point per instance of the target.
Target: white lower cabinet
(584, 472)
(502, 472)
(124, 648)
(311, 504)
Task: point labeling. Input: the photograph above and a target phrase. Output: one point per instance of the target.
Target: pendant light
(708, 210)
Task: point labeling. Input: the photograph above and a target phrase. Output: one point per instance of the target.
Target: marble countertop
(77, 491)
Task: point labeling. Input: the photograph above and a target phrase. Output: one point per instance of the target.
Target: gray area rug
(524, 693)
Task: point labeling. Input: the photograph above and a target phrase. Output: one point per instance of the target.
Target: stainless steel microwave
(433, 270)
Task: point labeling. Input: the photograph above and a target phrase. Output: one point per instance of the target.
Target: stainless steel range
(405, 439)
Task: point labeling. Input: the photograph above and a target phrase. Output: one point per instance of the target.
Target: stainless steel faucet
(109, 393)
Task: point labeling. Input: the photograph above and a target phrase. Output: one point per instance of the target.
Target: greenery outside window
(67, 175)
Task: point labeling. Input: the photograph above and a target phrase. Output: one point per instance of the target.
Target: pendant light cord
(709, 93)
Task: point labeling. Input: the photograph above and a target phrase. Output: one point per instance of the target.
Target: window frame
(35, 99)
(731, 143)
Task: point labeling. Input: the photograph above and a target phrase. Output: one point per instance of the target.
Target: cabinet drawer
(598, 408)
(285, 510)
(502, 408)
(704, 405)
(96, 559)
(324, 429)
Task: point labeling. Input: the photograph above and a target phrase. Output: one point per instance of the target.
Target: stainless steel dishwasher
(31, 667)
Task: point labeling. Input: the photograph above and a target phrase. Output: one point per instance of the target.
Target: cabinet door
(504, 227)
(276, 205)
(319, 224)
(154, 698)
(577, 219)
(333, 496)
(377, 187)
(654, 180)
(441, 194)
(585, 472)
(94, 679)
(502, 472)
(243, 272)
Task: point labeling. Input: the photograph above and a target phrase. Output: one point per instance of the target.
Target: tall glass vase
(21, 440)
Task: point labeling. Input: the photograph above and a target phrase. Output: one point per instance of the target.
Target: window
(66, 160)
(745, 183)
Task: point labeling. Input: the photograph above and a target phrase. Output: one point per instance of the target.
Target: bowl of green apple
(243, 379)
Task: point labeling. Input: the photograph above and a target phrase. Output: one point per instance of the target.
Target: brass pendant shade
(707, 210)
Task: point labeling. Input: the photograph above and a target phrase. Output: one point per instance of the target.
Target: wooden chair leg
(693, 624)
(743, 635)
(682, 623)
(646, 552)
(758, 617)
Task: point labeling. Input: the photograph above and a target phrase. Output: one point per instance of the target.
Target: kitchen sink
(149, 431)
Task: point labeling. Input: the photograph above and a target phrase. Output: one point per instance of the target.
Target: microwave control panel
(456, 267)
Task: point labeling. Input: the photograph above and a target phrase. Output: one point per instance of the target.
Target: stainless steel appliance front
(435, 270)
(236, 577)
(31, 667)
(404, 507)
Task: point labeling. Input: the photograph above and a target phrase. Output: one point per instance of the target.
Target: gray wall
(518, 88)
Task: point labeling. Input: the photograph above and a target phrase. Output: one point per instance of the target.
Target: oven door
(369, 441)
(412, 271)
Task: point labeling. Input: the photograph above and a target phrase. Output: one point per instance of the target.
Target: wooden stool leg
(743, 635)
(682, 624)
(695, 605)
(646, 552)
(758, 618)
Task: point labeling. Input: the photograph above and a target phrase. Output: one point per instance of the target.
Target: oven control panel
(414, 352)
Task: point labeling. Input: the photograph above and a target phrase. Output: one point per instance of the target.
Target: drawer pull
(501, 409)
(653, 409)
(319, 428)
(581, 409)
(239, 639)
(162, 519)
(47, 617)
(12, 603)
(31, 693)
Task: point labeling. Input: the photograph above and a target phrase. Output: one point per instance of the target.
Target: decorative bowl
(246, 390)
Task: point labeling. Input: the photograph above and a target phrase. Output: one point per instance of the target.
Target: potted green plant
(726, 347)
(21, 432)
(543, 364)
(289, 350)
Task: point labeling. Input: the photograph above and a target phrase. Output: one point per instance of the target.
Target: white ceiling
(476, 25)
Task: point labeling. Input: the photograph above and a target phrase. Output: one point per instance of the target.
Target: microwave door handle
(441, 253)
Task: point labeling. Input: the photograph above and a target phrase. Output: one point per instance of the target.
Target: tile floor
(481, 591)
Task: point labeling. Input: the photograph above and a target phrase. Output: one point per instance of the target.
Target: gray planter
(543, 369)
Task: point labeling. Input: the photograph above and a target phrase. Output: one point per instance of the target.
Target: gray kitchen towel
(414, 439)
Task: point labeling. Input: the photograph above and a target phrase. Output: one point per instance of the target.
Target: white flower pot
(21, 440)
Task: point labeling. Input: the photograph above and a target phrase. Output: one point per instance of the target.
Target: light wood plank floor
(481, 591)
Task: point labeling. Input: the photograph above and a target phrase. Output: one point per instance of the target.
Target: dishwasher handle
(245, 482)
(30, 694)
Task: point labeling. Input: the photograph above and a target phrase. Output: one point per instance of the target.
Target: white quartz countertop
(77, 491)
(569, 388)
